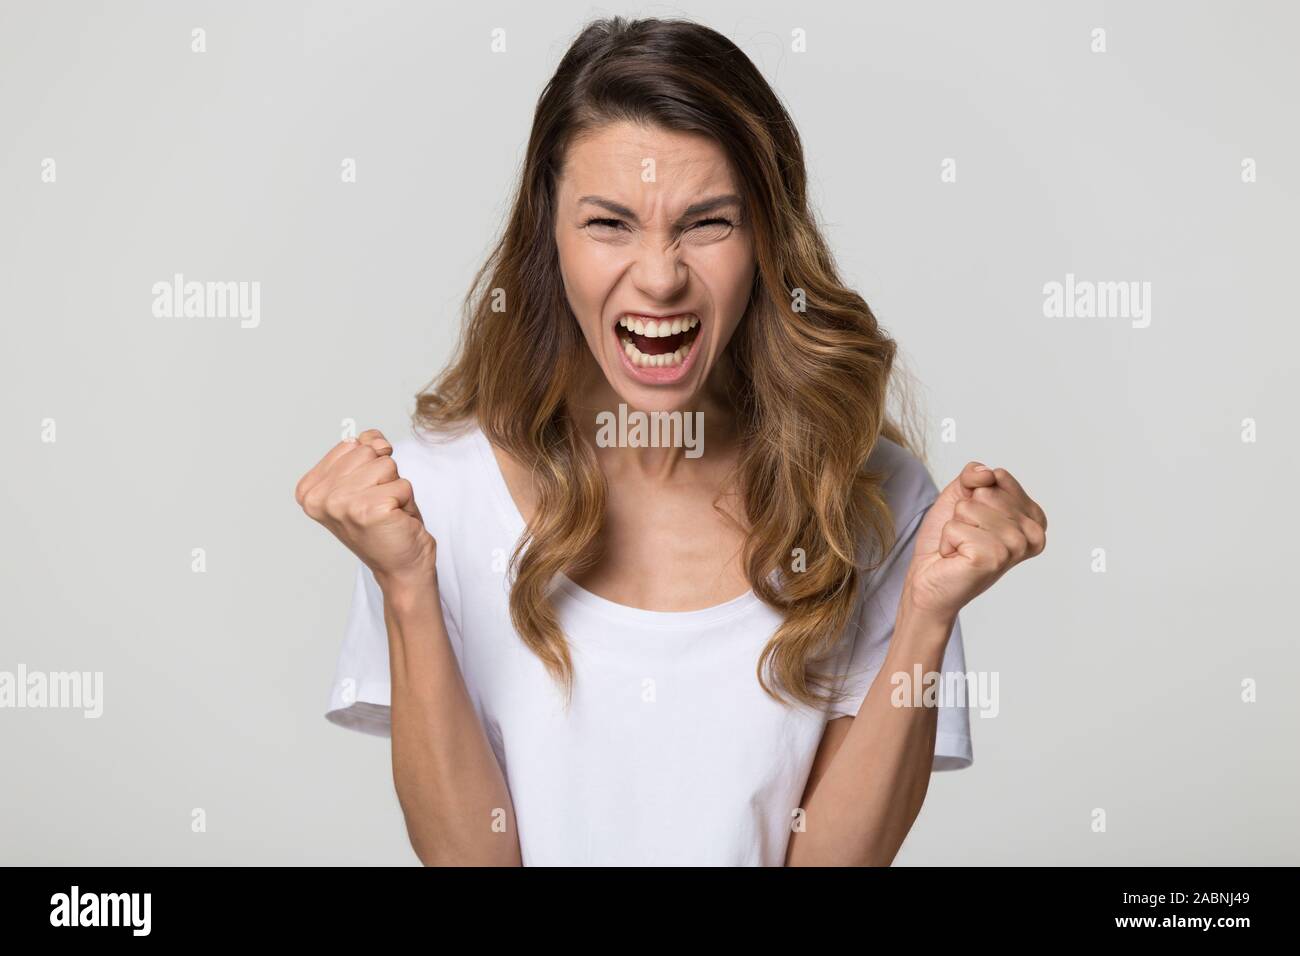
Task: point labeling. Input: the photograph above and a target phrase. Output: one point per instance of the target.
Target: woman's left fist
(982, 524)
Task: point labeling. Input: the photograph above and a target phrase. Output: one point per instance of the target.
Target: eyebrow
(695, 209)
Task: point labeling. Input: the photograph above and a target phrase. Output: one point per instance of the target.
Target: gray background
(1119, 690)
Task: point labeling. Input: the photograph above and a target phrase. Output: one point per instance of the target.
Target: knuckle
(332, 508)
(1037, 538)
(313, 500)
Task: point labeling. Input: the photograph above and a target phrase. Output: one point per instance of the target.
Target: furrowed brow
(709, 205)
(610, 206)
(695, 209)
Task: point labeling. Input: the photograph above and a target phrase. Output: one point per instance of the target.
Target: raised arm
(871, 773)
(450, 786)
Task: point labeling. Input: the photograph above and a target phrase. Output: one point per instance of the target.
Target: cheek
(729, 274)
(586, 285)
(586, 274)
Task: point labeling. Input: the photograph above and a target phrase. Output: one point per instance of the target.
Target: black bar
(215, 904)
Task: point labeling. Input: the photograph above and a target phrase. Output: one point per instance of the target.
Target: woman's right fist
(357, 494)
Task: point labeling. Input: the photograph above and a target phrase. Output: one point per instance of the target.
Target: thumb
(402, 492)
(974, 475)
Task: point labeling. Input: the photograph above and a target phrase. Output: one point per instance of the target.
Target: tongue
(658, 345)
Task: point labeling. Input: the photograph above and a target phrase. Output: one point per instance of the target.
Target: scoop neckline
(515, 524)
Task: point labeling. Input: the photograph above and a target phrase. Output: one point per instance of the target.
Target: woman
(591, 651)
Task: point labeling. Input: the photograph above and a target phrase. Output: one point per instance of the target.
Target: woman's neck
(708, 422)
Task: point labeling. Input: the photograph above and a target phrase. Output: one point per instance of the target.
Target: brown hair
(810, 384)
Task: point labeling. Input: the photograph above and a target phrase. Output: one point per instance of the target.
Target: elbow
(839, 854)
(498, 852)
(879, 858)
(424, 853)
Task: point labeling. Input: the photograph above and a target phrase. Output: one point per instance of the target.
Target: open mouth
(657, 343)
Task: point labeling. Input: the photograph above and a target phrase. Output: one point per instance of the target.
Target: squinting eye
(713, 227)
(604, 223)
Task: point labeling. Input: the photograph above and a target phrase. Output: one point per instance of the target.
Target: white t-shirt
(671, 753)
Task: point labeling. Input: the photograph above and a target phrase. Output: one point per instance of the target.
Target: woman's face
(657, 263)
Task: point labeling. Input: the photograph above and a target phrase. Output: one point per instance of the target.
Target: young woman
(587, 652)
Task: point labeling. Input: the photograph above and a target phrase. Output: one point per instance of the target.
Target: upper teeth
(652, 328)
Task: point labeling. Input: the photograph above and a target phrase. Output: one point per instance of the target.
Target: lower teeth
(663, 360)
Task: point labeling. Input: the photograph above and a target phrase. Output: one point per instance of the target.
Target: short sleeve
(868, 642)
(360, 696)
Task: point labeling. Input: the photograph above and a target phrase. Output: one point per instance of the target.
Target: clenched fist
(357, 494)
(978, 528)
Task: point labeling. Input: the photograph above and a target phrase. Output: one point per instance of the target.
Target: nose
(658, 272)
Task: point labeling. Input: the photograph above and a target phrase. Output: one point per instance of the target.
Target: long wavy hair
(810, 365)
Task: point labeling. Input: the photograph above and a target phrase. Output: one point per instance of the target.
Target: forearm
(864, 805)
(450, 786)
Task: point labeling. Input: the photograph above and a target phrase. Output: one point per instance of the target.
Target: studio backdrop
(1077, 220)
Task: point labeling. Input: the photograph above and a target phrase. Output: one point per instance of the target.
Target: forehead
(644, 161)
